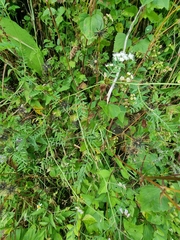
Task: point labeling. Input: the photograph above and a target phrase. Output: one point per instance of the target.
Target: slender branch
(112, 86)
(131, 27)
(124, 49)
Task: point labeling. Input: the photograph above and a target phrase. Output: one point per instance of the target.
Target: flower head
(79, 210)
(122, 56)
(39, 206)
(124, 212)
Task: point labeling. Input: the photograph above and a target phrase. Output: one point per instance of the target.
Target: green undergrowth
(77, 160)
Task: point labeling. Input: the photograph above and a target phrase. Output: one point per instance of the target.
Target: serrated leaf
(150, 199)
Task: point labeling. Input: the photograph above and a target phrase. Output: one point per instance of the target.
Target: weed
(89, 113)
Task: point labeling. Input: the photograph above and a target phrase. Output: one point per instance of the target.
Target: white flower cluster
(128, 78)
(132, 97)
(125, 212)
(122, 56)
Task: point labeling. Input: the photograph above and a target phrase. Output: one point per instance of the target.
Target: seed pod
(73, 52)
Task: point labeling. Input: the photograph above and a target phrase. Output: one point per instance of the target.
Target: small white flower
(79, 210)
(131, 56)
(126, 213)
(122, 56)
(39, 206)
(121, 185)
(128, 73)
(122, 78)
(121, 210)
(128, 79)
(109, 65)
(109, 16)
(119, 57)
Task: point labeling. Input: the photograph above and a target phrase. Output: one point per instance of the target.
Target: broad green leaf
(130, 11)
(123, 170)
(77, 227)
(46, 13)
(54, 171)
(91, 24)
(94, 220)
(113, 199)
(135, 231)
(61, 11)
(24, 44)
(43, 223)
(148, 232)
(6, 45)
(113, 111)
(89, 219)
(56, 236)
(104, 173)
(119, 27)
(37, 107)
(31, 233)
(148, 29)
(38, 212)
(145, 2)
(119, 42)
(150, 199)
(160, 4)
(152, 16)
(155, 218)
(59, 17)
(40, 235)
(88, 199)
(141, 46)
(51, 220)
(102, 187)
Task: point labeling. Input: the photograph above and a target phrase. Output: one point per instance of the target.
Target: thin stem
(124, 49)
(131, 27)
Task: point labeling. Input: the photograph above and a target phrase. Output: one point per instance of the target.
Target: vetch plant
(71, 165)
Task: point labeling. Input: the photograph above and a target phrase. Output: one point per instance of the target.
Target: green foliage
(73, 166)
(21, 42)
